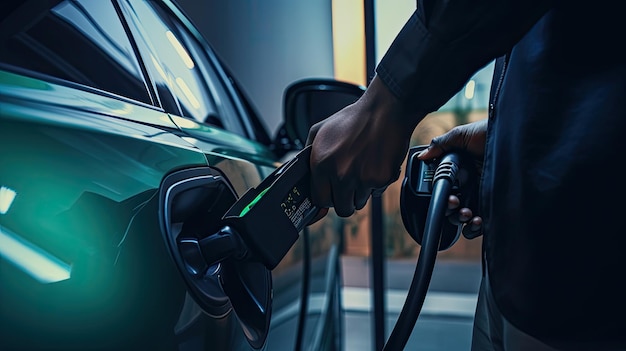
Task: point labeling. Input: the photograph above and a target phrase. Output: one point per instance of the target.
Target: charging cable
(443, 182)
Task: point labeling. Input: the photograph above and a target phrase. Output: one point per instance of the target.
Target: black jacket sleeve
(445, 42)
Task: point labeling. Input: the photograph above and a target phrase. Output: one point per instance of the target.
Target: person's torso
(552, 187)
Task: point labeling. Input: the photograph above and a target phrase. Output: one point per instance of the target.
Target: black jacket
(552, 191)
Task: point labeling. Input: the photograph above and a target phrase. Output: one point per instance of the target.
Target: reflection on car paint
(88, 134)
(7, 195)
(32, 259)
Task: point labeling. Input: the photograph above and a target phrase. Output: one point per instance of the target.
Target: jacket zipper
(492, 103)
(490, 116)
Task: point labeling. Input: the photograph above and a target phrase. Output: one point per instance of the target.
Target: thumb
(432, 151)
(312, 133)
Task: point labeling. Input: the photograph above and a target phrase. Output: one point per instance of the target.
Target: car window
(79, 41)
(182, 63)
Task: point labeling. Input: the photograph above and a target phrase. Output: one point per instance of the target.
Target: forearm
(387, 112)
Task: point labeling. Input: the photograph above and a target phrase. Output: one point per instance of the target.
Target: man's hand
(359, 150)
(471, 138)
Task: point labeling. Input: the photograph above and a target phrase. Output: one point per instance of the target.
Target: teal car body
(93, 118)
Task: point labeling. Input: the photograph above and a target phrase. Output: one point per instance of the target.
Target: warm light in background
(349, 41)
(349, 34)
(391, 15)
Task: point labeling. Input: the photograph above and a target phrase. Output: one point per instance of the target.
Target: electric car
(123, 139)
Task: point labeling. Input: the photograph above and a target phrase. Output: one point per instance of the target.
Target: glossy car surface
(121, 134)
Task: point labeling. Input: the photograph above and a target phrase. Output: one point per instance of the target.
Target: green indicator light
(251, 204)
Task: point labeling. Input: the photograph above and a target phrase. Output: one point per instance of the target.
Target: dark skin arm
(346, 165)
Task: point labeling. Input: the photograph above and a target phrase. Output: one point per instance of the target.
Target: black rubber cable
(424, 267)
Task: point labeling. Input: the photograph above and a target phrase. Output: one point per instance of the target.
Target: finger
(453, 202)
(343, 198)
(461, 216)
(312, 133)
(434, 150)
(320, 214)
(321, 195)
(473, 228)
(379, 191)
(360, 198)
(465, 214)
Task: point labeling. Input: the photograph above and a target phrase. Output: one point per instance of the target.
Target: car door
(97, 127)
(85, 146)
(244, 164)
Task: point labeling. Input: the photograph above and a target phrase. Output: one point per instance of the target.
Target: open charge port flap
(192, 205)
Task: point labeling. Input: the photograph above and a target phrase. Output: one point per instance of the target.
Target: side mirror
(307, 102)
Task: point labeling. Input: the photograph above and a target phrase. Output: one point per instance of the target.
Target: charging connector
(263, 224)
